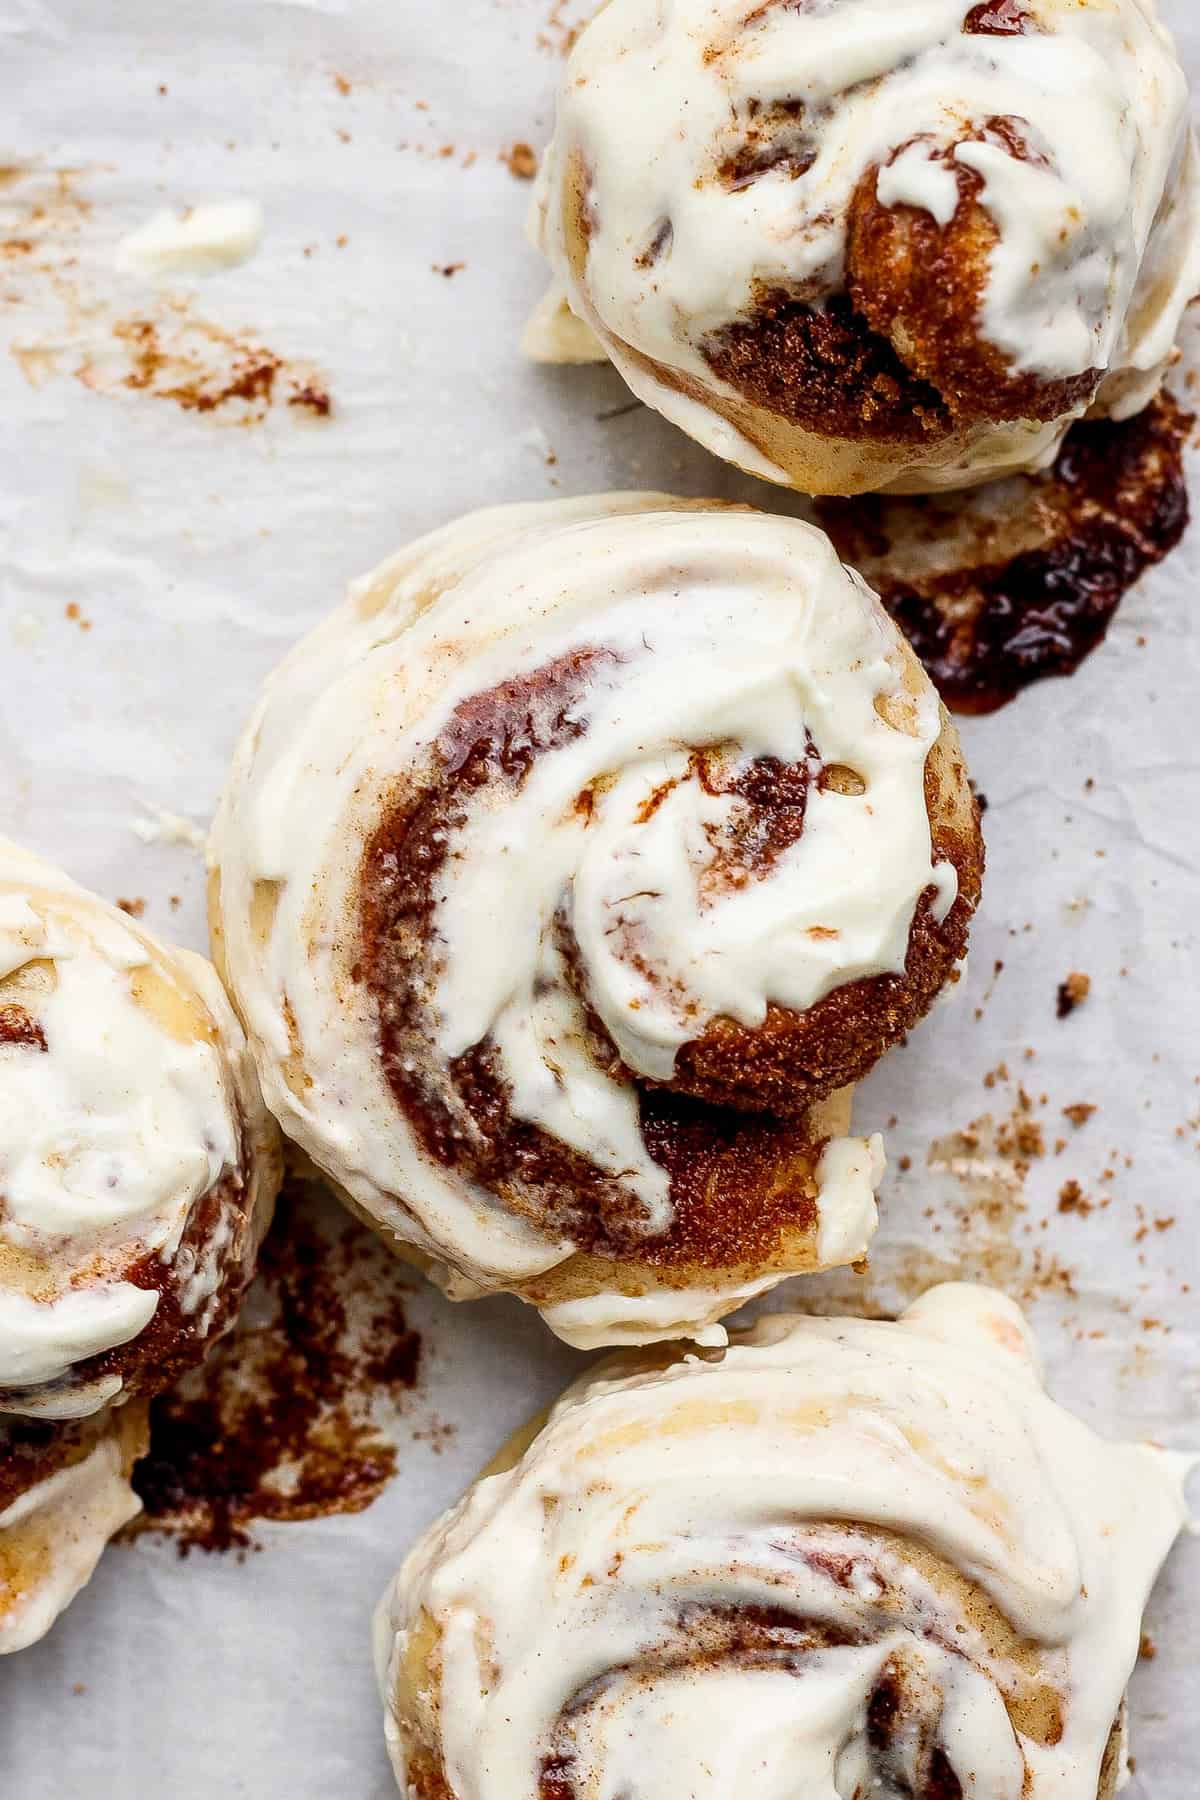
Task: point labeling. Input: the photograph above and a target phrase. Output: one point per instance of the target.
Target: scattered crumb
(1072, 1199)
(1079, 1113)
(521, 161)
(448, 269)
(1072, 993)
(73, 612)
(1147, 1649)
(135, 908)
(342, 85)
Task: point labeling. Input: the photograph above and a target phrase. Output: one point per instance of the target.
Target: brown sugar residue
(313, 398)
(558, 34)
(200, 367)
(1008, 584)
(79, 309)
(286, 1420)
(1072, 993)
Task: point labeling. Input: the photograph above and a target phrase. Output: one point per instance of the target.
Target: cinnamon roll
(842, 1558)
(138, 1166)
(568, 879)
(64, 1491)
(853, 245)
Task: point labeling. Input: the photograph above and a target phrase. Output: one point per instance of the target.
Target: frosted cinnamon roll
(569, 877)
(853, 245)
(64, 1492)
(138, 1166)
(842, 1558)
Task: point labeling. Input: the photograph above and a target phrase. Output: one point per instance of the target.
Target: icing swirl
(844, 1557)
(137, 1166)
(567, 878)
(64, 1492)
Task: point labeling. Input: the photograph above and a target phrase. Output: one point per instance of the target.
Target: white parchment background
(197, 548)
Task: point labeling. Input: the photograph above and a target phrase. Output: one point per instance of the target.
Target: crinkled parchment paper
(193, 463)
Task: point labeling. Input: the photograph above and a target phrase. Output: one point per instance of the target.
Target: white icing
(1097, 255)
(715, 627)
(70, 1517)
(701, 1485)
(108, 1137)
(199, 241)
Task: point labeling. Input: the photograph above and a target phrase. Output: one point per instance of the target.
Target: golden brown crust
(920, 286)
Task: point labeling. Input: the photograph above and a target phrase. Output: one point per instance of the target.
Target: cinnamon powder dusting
(286, 1420)
(1008, 584)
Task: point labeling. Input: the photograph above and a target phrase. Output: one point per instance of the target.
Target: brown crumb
(342, 85)
(135, 908)
(1072, 1199)
(448, 269)
(521, 161)
(1072, 993)
(313, 398)
(1079, 1113)
(904, 1164)
(1147, 1649)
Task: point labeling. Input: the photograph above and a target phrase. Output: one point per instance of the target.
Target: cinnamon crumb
(1072, 1199)
(1072, 993)
(521, 161)
(313, 398)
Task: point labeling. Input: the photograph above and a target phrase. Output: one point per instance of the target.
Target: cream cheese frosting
(126, 1098)
(52, 1535)
(1097, 223)
(697, 628)
(841, 1557)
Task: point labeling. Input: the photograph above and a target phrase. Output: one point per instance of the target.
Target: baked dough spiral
(138, 1166)
(851, 245)
(567, 879)
(843, 1558)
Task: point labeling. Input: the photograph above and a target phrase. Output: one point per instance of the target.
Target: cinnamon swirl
(566, 881)
(852, 245)
(138, 1167)
(841, 1558)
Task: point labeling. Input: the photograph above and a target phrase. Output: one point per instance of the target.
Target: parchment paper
(197, 542)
